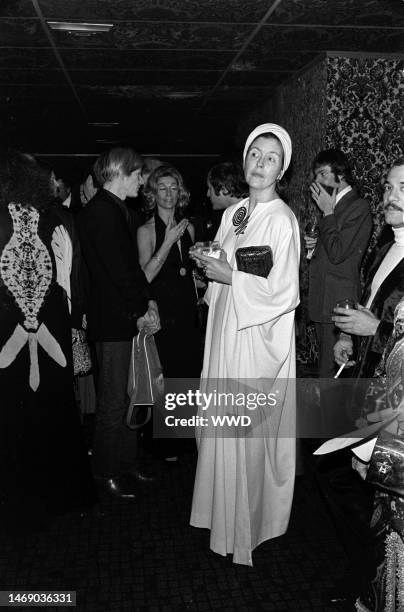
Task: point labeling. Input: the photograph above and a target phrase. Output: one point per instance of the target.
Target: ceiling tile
(22, 33)
(117, 59)
(18, 94)
(17, 8)
(340, 12)
(149, 78)
(25, 59)
(264, 59)
(35, 77)
(279, 39)
(257, 78)
(166, 36)
(128, 96)
(159, 10)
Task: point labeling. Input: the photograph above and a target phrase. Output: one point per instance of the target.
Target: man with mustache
(384, 288)
(349, 499)
(344, 232)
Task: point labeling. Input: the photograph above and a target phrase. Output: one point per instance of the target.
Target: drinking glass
(346, 303)
(312, 231)
(211, 248)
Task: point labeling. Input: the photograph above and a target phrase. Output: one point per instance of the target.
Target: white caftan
(244, 484)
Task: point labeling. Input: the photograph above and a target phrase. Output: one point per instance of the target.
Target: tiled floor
(142, 555)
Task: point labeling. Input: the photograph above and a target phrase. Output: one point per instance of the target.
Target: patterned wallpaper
(365, 102)
(351, 103)
(300, 106)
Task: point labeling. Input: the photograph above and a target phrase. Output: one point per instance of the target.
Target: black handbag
(255, 260)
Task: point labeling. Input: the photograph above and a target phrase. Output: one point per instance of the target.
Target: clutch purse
(255, 260)
(386, 468)
(81, 353)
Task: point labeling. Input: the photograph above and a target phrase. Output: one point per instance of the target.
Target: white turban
(277, 131)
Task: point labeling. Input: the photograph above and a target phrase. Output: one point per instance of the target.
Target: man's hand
(342, 351)
(151, 320)
(310, 242)
(360, 467)
(360, 322)
(323, 199)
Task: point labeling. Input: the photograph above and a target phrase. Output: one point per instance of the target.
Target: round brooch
(183, 271)
(239, 216)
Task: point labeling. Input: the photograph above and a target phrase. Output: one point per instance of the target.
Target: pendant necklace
(183, 270)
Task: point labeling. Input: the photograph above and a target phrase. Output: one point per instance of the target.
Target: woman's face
(167, 192)
(263, 163)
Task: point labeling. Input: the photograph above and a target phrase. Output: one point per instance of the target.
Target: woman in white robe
(244, 481)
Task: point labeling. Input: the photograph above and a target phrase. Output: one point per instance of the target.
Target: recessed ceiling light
(69, 26)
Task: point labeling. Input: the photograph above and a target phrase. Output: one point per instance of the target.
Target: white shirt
(393, 256)
(341, 193)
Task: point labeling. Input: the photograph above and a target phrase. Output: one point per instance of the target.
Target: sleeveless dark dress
(179, 341)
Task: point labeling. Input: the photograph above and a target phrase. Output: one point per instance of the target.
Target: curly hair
(24, 181)
(228, 176)
(150, 191)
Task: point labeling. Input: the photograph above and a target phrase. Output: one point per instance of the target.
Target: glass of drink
(346, 303)
(311, 231)
(211, 248)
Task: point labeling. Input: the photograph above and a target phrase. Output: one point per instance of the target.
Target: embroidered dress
(386, 592)
(43, 467)
(244, 483)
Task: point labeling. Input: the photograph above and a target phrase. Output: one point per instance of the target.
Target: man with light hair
(119, 305)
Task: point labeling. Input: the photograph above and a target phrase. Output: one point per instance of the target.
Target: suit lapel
(345, 201)
(378, 258)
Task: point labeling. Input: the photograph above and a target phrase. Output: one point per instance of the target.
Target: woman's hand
(217, 270)
(175, 231)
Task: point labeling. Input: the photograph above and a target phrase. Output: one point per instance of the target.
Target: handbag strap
(145, 337)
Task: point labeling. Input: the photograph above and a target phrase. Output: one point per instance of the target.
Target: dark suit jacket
(117, 287)
(370, 348)
(334, 272)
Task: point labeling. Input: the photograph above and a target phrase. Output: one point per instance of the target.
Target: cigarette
(341, 367)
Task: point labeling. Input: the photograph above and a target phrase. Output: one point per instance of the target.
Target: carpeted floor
(142, 555)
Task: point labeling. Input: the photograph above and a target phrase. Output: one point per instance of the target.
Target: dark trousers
(114, 447)
(349, 500)
(326, 337)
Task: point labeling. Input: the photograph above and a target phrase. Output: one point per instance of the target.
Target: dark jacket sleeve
(339, 238)
(113, 248)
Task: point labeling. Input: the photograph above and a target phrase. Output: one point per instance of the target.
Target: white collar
(398, 235)
(343, 192)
